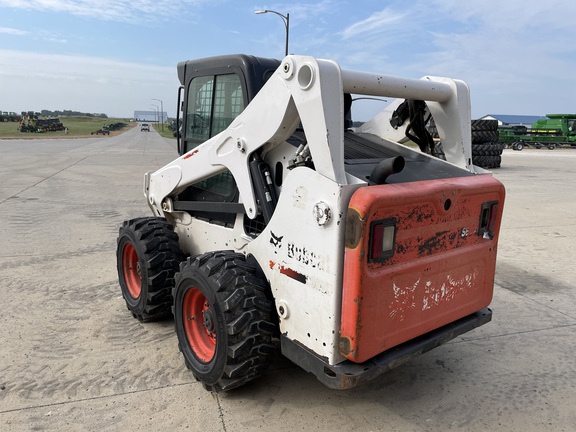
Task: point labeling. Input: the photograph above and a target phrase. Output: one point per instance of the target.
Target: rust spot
(400, 248)
(344, 346)
(354, 226)
(419, 214)
(190, 154)
(293, 274)
(272, 264)
(434, 244)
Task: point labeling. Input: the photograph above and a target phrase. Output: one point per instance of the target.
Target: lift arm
(311, 91)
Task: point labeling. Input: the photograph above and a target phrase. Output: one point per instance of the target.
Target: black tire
(496, 162)
(487, 161)
(484, 125)
(482, 130)
(551, 146)
(519, 146)
(438, 151)
(487, 149)
(232, 343)
(432, 129)
(483, 136)
(147, 256)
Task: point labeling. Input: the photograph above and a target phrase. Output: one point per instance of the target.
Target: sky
(120, 56)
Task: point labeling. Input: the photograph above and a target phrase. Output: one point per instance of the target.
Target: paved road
(73, 359)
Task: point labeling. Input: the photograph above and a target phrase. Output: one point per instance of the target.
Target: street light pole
(285, 19)
(156, 108)
(161, 111)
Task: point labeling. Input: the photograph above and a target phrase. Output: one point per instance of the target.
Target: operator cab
(215, 91)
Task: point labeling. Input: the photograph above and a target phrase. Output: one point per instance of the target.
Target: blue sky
(116, 56)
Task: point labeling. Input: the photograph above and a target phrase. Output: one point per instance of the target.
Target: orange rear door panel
(442, 266)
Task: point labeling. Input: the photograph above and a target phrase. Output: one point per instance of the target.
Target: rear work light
(382, 238)
(488, 214)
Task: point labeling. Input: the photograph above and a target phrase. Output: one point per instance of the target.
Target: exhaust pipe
(385, 168)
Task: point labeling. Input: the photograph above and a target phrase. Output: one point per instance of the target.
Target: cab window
(212, 103)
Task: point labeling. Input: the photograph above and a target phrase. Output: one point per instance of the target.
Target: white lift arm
(311, 91)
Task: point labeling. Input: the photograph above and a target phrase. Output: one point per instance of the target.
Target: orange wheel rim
(199, 325)
(131, 270)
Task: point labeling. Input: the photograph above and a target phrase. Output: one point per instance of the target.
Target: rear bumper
(348, 374)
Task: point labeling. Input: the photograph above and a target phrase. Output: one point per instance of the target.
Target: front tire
(224, 319)
(147, 256)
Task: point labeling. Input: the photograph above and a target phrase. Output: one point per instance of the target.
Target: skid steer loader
(280, 224)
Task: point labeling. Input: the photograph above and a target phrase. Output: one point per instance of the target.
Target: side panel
(440, 268)
(301, 252)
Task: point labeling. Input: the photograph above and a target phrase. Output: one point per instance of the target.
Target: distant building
(150, 116)
(513, 120)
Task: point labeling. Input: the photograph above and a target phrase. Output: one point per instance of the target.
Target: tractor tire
(483, 136)
(488, 161)
(432, 129)
(497, 162)
(486, 149)
(438, 151)
(484, 125)
(147, 256)
(225, 319)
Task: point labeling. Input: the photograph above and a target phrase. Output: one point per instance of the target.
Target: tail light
(382, 238)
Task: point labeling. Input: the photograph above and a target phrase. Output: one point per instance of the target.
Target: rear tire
(224, 319)
(147, 257)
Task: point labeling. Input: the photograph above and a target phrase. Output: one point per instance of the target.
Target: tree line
(70, 113)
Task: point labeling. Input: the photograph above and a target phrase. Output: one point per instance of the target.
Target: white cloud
(108, 10)
(302, 11)
(377, 22)
(12, 31)
(512, 15)
(517, 58)
(36, 81)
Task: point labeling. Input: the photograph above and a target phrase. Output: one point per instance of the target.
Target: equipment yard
(68, 127)
(74, 359)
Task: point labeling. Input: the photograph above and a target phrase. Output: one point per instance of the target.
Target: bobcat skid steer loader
(280, 224)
